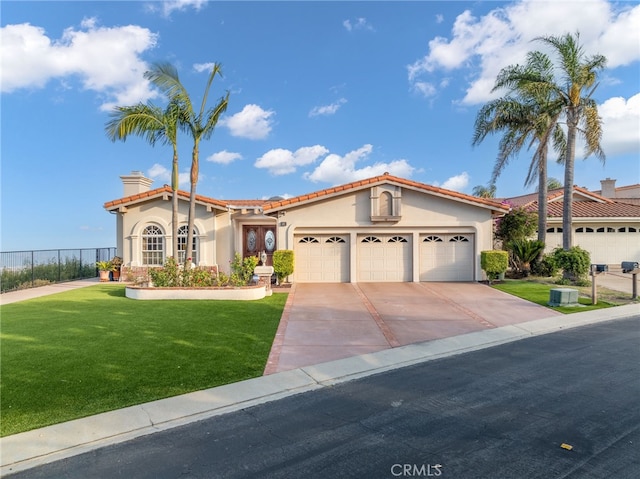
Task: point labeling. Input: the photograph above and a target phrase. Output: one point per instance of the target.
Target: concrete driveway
(328, 321)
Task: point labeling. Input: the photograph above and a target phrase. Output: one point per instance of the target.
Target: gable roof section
(161, 193)
(275, 206)
(557, 195)
(592, 206)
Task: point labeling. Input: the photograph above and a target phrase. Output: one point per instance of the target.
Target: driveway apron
(327, 321)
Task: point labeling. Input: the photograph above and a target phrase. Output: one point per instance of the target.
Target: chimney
(135, 183)
(608, 188)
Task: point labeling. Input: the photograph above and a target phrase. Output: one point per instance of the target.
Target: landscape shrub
(545, 266)
(242, 269)
(494, 263)
(518, 224)
(282, 263)
(575, 263)
(525, 251)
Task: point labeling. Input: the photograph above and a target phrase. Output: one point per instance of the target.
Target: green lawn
(92, 350)
(537, 292)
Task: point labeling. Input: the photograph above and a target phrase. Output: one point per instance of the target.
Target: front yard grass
(91, 350)
(537, 290)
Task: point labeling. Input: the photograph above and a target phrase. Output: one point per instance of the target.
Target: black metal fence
(27, 269)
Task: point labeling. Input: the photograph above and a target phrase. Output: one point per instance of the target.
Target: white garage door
(321, 259)
(384, 258)
(446, 257)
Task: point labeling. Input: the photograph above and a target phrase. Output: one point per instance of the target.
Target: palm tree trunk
(174, 204)
(542, 198)
(192, 203)
(569, 163)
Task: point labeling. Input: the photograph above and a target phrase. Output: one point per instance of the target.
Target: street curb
(41, 446)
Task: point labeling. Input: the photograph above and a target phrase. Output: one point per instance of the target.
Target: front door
(259, 238)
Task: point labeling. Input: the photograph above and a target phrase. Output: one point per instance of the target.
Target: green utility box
(563, 297)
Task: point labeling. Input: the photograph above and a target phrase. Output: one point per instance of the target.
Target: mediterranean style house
(383, 228)
(606, 222)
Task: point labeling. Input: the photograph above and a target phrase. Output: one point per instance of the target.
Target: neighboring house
(379, 229)
(606, 223)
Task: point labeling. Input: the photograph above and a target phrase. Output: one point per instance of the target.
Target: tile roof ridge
(379, 179)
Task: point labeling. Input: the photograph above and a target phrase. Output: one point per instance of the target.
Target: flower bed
(242, 293)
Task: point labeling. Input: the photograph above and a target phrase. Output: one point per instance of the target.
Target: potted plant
(104, 267)
(116, 262)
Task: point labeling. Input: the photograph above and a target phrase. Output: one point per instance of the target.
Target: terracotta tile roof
(596, 206)
(282, 204)
(591, 209)
(631, 201)
(245, 203)
(147, 195)
(555, 194)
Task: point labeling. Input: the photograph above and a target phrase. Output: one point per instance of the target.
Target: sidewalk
(24, 294)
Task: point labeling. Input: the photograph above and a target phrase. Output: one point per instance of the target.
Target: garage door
(384, 258)
(321, 259)
(446, 257)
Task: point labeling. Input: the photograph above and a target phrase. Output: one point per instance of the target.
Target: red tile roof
(147, 195)
(282, 204)
(591, 209)
(597, 207)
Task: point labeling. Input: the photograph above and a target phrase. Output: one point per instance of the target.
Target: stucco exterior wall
(158, 212)
(420, 213)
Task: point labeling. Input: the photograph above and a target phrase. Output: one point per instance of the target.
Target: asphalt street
(562, 405)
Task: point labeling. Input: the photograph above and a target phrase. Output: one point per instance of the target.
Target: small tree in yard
(525, 252)
(494, 263)
(282, 264)
(517, 224)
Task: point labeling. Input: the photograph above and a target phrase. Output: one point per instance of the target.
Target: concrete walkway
(31, 293)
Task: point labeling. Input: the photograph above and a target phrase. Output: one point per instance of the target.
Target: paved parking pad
(325, 322)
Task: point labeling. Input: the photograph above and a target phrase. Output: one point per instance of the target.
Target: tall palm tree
(154, 124)
(527, 117)
(574, 90)
(571, 92)
(199, 124)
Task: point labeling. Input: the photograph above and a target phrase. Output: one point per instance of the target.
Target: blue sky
(321, 93)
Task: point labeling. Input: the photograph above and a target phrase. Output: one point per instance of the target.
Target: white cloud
(484, 45)
(281, 162)
(327, 110)
(439, 18)
(337, 169)
(252, 122)
(426, 89)
(167, 7)
(456, 183)
(357, 24)
(621, 125)
(224, 157)
(203, 67)
(106, 60)
(160, 173)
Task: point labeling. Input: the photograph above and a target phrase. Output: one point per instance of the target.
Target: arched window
(182, 241)
(308, 239)
(386, 204)
(152, 246)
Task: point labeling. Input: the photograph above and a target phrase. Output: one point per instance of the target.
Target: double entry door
(259, 238)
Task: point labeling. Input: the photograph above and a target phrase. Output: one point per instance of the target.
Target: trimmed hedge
(282, 263)
(494, 263)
